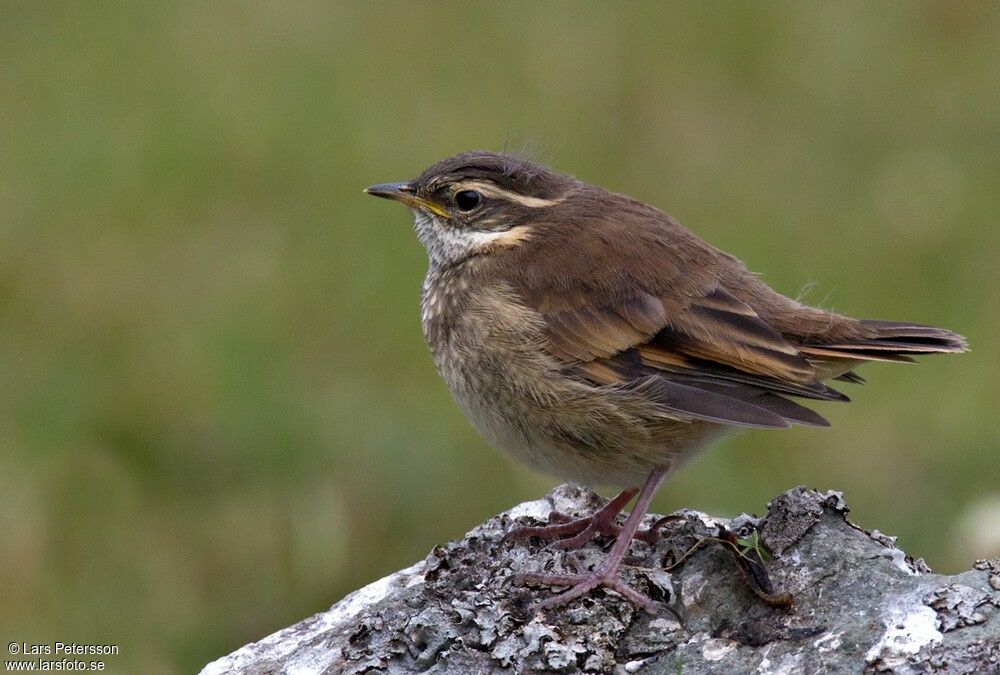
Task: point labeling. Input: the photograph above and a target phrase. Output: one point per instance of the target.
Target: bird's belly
(591, 437)
(517, 397)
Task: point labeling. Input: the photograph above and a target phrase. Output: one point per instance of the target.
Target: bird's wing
(682, 339)
(711, 357)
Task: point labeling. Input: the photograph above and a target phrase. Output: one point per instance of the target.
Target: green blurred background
(217, 414)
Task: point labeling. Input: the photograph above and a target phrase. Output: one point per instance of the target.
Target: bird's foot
(606, 575)
(568, 534)
(582, 583)
(571, 533)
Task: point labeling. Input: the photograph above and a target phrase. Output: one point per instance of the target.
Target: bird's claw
(582, 583)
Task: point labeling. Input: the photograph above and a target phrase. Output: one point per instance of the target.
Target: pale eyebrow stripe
(491, 190)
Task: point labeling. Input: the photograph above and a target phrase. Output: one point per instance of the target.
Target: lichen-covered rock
(858, 604)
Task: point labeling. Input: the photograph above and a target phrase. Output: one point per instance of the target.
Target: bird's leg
(607, 573)
(581, 530)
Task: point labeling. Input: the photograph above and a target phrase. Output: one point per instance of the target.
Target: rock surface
(860, 605)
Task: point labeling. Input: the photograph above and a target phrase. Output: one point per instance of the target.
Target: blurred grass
(217, 414)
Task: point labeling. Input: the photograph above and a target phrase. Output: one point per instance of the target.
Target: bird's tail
(891, 341)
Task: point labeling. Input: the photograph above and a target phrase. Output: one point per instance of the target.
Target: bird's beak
(407, 194)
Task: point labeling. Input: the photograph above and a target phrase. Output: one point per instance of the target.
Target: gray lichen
(992, 567)
(859, 604)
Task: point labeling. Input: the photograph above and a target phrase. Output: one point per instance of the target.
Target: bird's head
(476, 202)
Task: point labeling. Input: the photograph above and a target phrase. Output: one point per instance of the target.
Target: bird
(591, 336)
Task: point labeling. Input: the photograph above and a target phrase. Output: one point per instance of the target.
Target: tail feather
(888, 341)
(897, 346)
(915, 337)
(838, 352)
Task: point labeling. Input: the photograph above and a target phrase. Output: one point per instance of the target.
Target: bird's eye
(466, 200)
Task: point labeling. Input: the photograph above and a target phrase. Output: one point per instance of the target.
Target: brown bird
(593, 337)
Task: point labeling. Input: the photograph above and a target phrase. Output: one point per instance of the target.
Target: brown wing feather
(721, 329)
(714, 360)
(630, 298)
(721, 338)
(734, 336)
